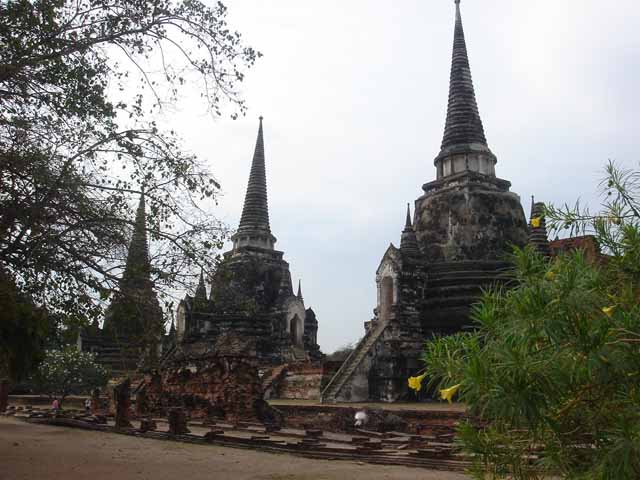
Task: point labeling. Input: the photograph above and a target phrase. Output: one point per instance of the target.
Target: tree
(552, 373)
(80, 82)
(23, 332)
(69, 371)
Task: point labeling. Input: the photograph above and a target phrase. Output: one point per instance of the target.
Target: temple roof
(463, 125)
(255, 214)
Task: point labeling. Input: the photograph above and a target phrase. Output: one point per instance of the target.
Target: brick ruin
(220, 381)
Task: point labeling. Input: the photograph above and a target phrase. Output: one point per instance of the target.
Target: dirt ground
(37, 452)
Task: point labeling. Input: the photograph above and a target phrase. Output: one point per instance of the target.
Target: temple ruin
(133, 328)
(251, 292)
(463, 225)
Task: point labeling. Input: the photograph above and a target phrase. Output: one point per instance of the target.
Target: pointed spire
(138, 266)
(408, 239)
(255, 213)
(201, 290)
(538, 238)
(463, 125)
(299, 295)
(135, 310)
(407, 223)
(254, 230)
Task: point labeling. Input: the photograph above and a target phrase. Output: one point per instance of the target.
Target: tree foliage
(23, 331)
(80, 83)
(69, 371)
(552, 373)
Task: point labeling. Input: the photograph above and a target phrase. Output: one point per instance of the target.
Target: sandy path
(35, 452)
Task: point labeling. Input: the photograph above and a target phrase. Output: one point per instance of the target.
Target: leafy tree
(69, 371)
(552, 373)
(80, 84)
(23, 332)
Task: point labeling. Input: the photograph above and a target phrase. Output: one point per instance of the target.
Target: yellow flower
(448, 393)
(536, 222)
(551, 276)
(415, 383)
(608, 311)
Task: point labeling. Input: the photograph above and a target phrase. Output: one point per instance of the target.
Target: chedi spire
(254, 229)
(463, 132)
(408, 240)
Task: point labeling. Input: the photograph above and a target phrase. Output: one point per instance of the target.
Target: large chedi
(251, 291)
(133, 324)
(464, 225)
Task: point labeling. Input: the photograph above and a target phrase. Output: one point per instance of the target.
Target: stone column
(122, 399)
(4, 394)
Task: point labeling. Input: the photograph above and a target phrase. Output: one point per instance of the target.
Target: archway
(295, 331)
(386, 297)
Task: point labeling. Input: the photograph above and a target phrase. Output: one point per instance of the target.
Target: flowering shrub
(69, 371)
(552, 371)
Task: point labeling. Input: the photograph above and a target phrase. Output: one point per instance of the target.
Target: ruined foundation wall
(301, 382)
(226, 388)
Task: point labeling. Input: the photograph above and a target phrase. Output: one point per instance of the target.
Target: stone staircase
(351, 363)
(271, 381)
(299, 355)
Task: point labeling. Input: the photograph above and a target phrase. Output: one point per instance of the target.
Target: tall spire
(138, 266)
(408, 239)
(254, 230)
(463, 125)
(201, 290)
(463, 131)
(255, 213)
(299, 295)
(135, 310)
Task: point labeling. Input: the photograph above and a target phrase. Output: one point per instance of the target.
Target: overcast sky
(354, 96)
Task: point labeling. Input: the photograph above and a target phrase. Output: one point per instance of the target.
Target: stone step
(351, 363)
(470, 275)
(451, 302)
(488, 266)
(453, 290)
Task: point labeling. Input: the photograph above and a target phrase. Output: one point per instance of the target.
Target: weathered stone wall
(301, 382)
(469, 217)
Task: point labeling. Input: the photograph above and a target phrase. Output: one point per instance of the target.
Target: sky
(354, 95)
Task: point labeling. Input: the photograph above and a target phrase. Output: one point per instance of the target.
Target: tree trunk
(4, 394)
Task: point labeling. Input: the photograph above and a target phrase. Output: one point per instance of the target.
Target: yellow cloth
(448, 393)
(536, 222)
(415, 383)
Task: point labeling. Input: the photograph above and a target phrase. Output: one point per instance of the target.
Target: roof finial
(407, 223)
(457, 2)
(299, 289)
(201, 290)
